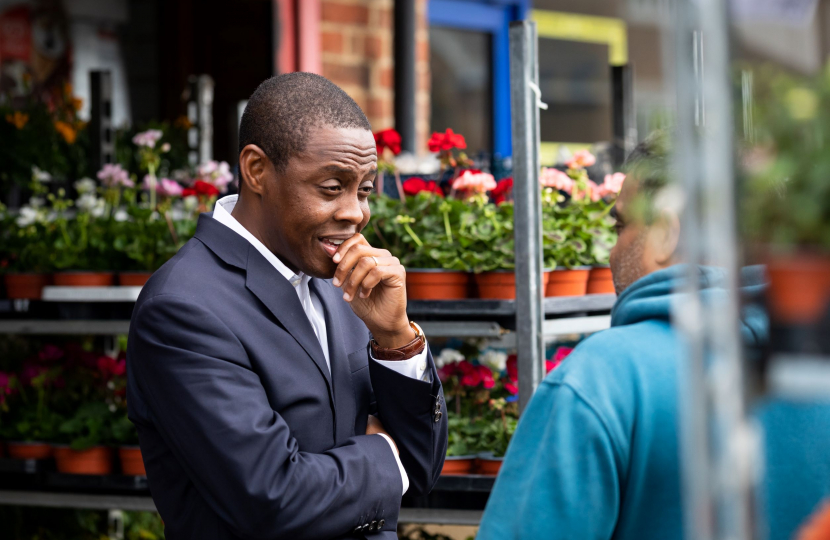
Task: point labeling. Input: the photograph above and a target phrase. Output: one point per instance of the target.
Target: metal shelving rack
(524, 323)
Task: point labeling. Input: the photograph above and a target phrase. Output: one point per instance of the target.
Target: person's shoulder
(195, 274)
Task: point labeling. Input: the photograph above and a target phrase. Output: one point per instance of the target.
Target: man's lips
(332, 242)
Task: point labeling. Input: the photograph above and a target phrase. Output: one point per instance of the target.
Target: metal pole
(527, 228)
(717, 449)
(102, 144)
(622, 108)
(200, 114)
(406, 83)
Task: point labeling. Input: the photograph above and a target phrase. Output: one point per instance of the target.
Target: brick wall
(357, 54)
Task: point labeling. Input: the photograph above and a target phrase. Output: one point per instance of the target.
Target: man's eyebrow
(337, 169)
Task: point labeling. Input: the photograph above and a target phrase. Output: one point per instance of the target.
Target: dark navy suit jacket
(244, 432)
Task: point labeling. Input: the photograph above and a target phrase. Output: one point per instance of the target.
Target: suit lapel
(281, 299)
(332, 301)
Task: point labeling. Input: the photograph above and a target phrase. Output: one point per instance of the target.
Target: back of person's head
(649, 167)
(283, 110)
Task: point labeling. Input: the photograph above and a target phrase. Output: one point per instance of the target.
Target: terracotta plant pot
(489, 465)
(799, 290)
(501, 284)
(96, 460)
(26, 286)
(132, 464)
(29, 450)
(133, 279)
(84, 279)
(437, 285)
(458, 465)
(600, 281)
(568, 282)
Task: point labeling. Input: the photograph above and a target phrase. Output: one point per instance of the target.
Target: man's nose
(349, 211)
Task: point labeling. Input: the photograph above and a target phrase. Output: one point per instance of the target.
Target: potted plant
(425, 244)
(86, 432)
(785, 207)
(129, 453)
(496, 430)
(30, 424)
(460, 457)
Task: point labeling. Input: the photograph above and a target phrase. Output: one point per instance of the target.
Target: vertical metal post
(102, 143)
(200, 114)
(527, 229)
(717, 444)
(406, 83)
(622, 109)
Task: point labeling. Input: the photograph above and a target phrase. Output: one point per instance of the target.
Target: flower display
(413, 186)
(5, 386)
(388, 138)
(91, 204)
(443, 142)
(582, 159)
(85, 185)
(474, 182)
(216, 173)
(110, 367)
(556, 179)
(613, 182)
(66, 131)
(447, 356)
(112, 175)
(147, 139)
(17, 119)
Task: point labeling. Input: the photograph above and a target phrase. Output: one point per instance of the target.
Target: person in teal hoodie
(596, 453)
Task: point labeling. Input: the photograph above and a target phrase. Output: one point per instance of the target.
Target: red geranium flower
(388, 138)
(111, 367)
(413, 186)
(202, 188)
(503, 191)
(446, 141)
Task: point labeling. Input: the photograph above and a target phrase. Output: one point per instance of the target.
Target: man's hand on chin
(374, 284)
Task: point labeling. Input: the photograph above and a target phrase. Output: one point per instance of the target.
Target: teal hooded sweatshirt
(596, 455)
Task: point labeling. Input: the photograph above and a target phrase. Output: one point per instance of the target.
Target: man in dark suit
(278, 387)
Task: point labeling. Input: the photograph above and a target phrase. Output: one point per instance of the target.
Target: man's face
(628, 257)
(321, 199)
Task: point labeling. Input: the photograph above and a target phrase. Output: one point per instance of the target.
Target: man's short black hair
(282, 110)
(649, 164)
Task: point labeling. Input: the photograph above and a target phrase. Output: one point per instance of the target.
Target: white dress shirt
(414, 367)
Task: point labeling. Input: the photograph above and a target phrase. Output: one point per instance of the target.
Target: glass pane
(575, 80)
(461, 85)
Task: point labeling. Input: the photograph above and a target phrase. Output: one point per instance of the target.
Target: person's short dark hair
(649, 164)
(281, 111)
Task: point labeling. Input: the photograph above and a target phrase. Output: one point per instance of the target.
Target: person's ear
(665, 238)
(253, 168)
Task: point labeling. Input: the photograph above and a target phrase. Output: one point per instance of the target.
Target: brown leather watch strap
(414, 347)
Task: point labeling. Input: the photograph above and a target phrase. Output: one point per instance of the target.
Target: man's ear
(665, 238)
(253, 167)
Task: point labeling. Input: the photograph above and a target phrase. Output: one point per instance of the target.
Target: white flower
(85, 185)
(448, 356)
(121, 215)
(27, 216)
(41, 176)
(191, 202)
(497, 360)
(37, 202)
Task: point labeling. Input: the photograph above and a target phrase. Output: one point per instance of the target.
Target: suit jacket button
(438, 416)
(381, 523)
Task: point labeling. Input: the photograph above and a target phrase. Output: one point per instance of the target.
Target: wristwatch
(414, 347)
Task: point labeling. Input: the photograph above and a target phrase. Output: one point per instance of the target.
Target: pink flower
(562, 353)
(216, 173)
(113, 175)
(476, 182)
(554, 178)
(147, 138)
(164, 186)
(594, 191)
(582, 159)
(613, 182)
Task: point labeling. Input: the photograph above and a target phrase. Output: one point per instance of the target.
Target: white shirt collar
(222, 214)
